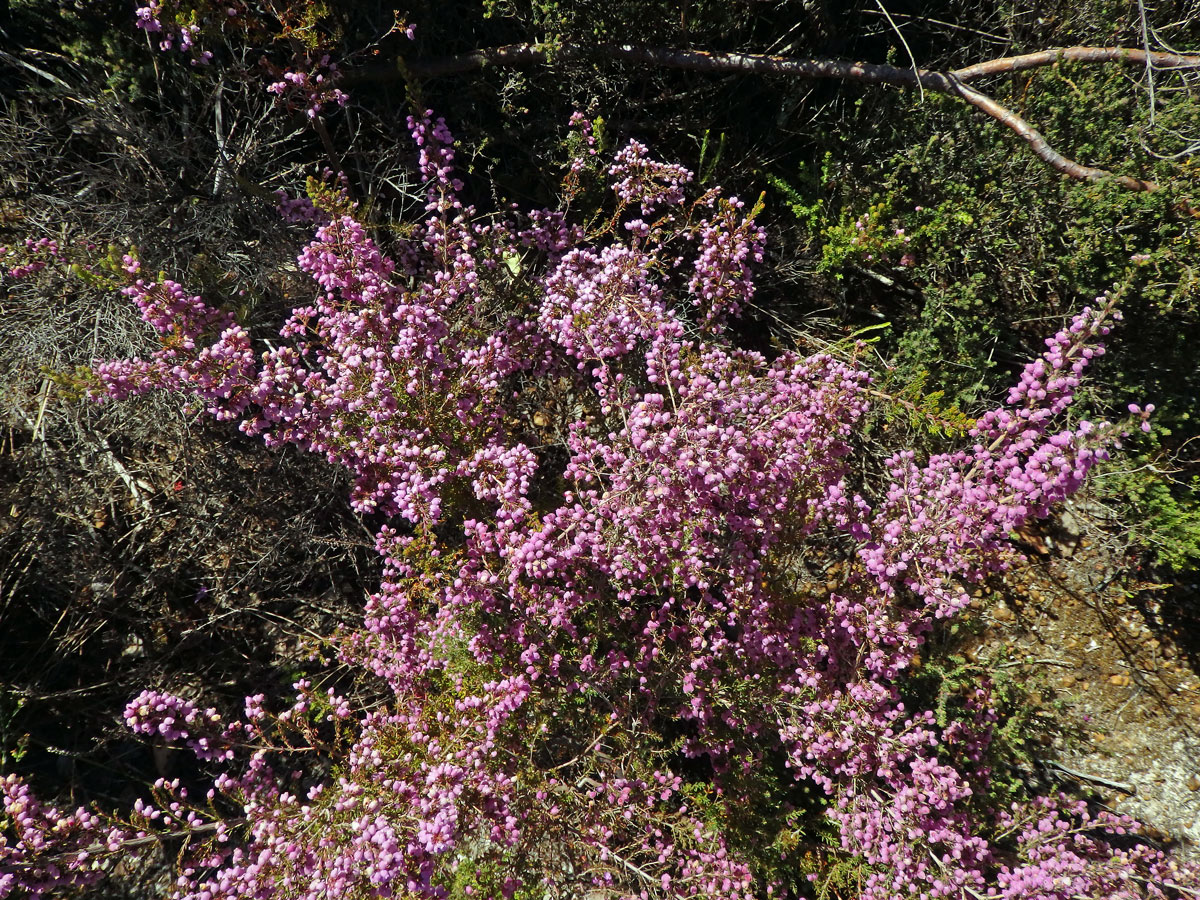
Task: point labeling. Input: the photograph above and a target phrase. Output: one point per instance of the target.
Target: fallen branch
(952, 83)
(1095, 779)
(1041, 148)
(1042, 58)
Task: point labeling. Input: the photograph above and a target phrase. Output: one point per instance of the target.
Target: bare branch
(951, 83)
(1096, 779)
(513, 55)
(1043, 58)
(1042, 148)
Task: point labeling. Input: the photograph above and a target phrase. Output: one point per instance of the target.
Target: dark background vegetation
(143, 546)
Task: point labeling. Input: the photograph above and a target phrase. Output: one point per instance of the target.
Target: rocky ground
(1115, 657)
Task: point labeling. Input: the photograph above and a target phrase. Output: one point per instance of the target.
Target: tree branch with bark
(953, 83)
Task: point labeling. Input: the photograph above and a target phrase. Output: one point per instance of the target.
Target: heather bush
(650, 605)
(602, 625)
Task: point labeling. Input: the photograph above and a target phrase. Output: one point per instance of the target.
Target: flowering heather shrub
(597, 640)
(311, 88)
(49, 850)
(175, 28)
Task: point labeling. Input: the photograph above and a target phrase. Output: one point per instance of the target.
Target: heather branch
(952, 83)
(99, 849)
(1154, 882)
(646, 591)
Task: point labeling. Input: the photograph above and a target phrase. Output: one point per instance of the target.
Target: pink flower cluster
(1063, 850)
(31, 258)
(44, 851)
(174, 28)
(176, 720)
(310, 87)
(299, 210)
(721, 284)
(217, 372)
(605, 525)
(641, 180)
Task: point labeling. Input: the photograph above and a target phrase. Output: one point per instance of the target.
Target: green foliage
(1165, 501)
(14, 743)
(805, 193)
(1170, 520)
(315, 24)
(843, 877)
(911, 403)
(710, 157)
(968, 245)
(487, 878)
(869, 238)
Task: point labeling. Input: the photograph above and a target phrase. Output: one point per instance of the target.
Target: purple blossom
(649, 566)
